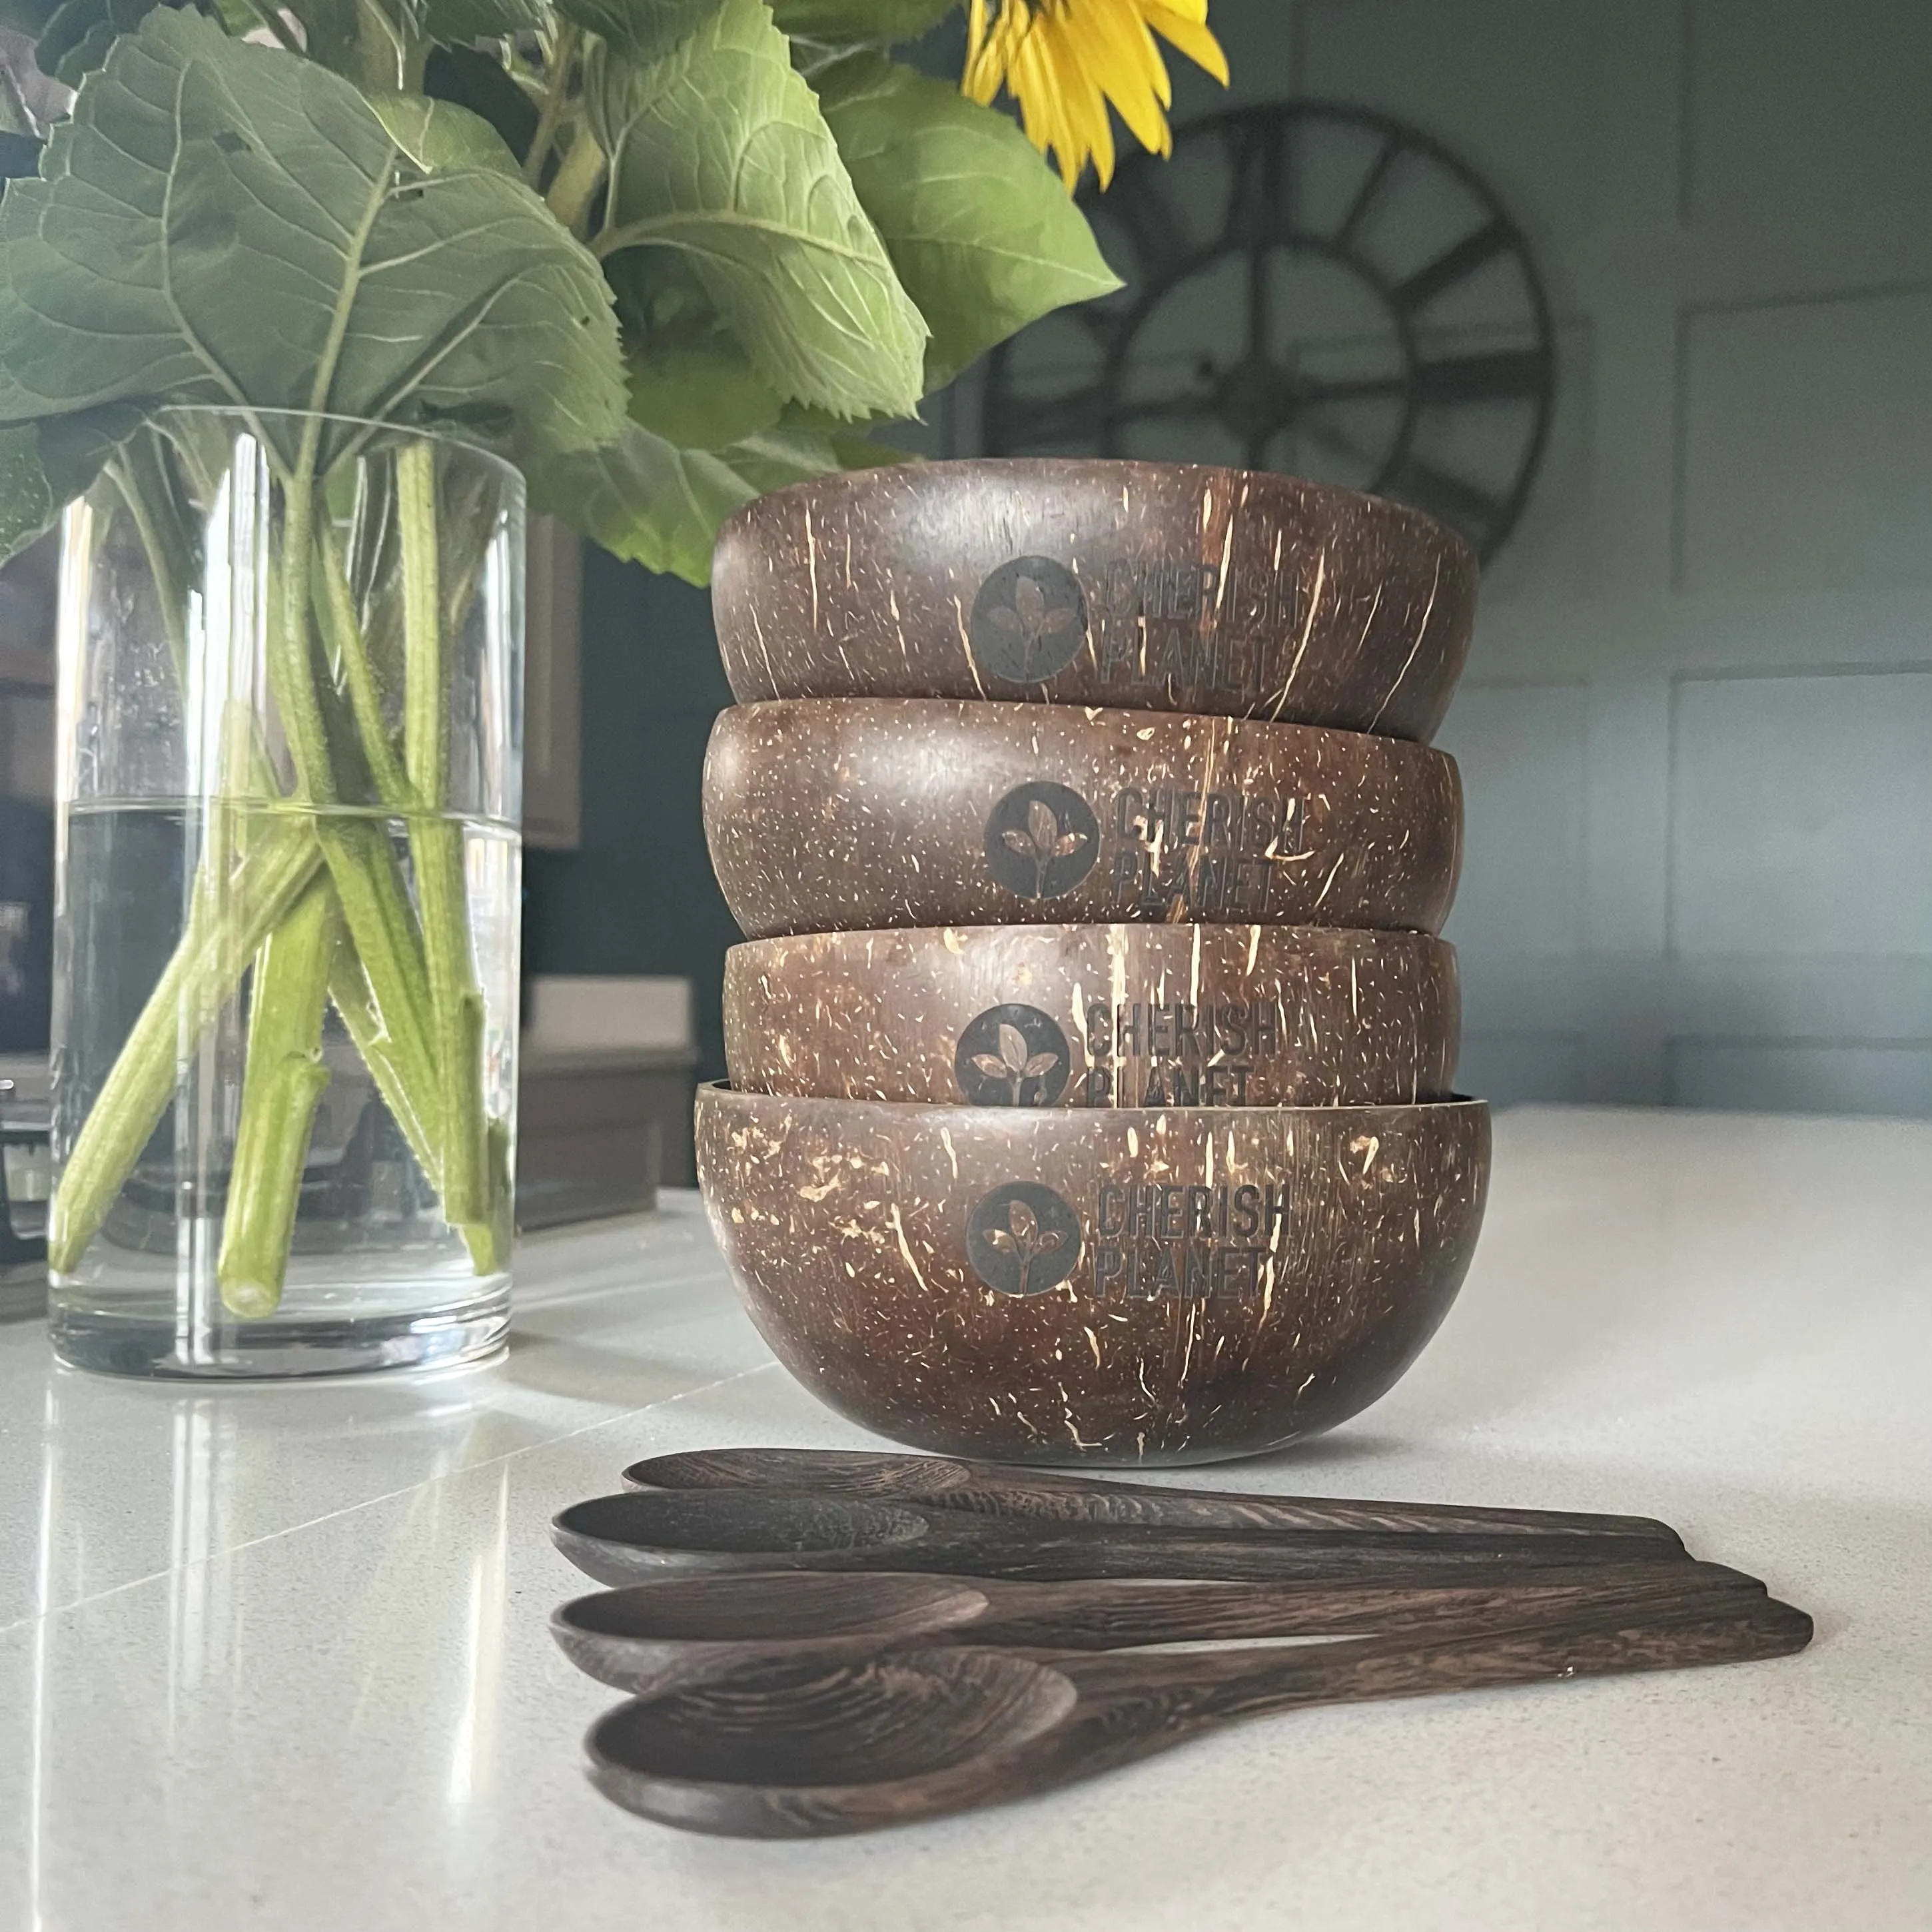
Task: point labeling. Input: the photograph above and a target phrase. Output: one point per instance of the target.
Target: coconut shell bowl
(1142, 586)
(1096, 1016)
(1103, 1286)
(833, 815)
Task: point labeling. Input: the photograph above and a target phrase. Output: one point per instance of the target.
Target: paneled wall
(1696, 730)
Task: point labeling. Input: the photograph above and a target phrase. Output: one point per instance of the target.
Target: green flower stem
(337, 605)
(349, 989)
(144, 487)
(410, 1086)
(375, 906)
(368, 890)
(436, 847)
(280, 1092)
(578, 178)
(224, 928)
(562, 54)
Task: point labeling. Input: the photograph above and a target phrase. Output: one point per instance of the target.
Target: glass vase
(285, 976)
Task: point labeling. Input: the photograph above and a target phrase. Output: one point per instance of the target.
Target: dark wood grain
(682, 1631)
(998, 1489)
(640, 1535)
(810, 1748)
(1180, 587)
(829, 816)
(1220, 1280)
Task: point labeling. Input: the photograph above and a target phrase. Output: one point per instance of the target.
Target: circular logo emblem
(1022, 1239)
(1011, 1056)
(1042, 840)
(1029, 621)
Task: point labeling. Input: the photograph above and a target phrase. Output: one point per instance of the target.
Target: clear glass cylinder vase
(285, 999)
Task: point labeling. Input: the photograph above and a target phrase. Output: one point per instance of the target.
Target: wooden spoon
(681, 1631)
(631, 1537)
(996, 1488)
(809, 1748)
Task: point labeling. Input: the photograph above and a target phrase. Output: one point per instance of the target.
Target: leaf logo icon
(1029, 620)
(1042, 840)
(1012, 1056)
(1023, 1239)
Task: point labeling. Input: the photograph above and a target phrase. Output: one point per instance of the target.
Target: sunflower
(1063, 60)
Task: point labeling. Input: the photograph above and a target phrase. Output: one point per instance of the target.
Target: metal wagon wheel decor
(1312, 287)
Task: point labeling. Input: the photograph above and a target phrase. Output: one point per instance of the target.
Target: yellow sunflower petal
(1111, 63)
(1043, 113)
(1192, 37)
(1098, 123)
(1082, 106)
(1067, 63)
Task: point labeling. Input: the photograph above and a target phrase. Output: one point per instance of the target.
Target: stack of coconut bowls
(1090, 1056)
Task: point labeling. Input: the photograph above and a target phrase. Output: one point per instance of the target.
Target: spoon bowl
(684, 1630)
(903, 1715)
(611, 1538)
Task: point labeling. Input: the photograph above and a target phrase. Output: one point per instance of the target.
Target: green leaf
(984, 237)
(78, 34)
(479, 82)
(644, 499)
(440, 137)
(642, 30)
(719, 150)
(860, 22)
(453, 22)
(701, 397)
(224, 224)
(647, 501)
(16, 116)
(44, 466)
(29, 17)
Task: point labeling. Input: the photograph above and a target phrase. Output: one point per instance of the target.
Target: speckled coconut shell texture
(1167, 1286)
(1095, 1016)
(830, 815)
(1171, 587)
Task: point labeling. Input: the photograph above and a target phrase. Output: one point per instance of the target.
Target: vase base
(120, 1344)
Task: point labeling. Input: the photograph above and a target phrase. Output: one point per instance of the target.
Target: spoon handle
(994, 1488)
(1511, 1647)
(1102, 1616)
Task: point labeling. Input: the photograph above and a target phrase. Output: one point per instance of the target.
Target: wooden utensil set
(819, 1641)
(1091, 1049)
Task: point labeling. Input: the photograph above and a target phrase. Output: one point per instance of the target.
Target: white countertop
(278, 1658)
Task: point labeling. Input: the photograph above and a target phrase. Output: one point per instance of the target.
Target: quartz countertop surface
(277, 1657)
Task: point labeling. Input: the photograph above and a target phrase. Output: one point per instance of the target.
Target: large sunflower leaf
(647, 500)
(468, 78)
(44, 466)
(642, 30)
(644, 499)
(702, 396)
(223, 224)
(718, 149)
(77, 34)
(985, 239)
(370, 41)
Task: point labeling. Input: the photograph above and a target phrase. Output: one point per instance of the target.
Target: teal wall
(638, 895)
